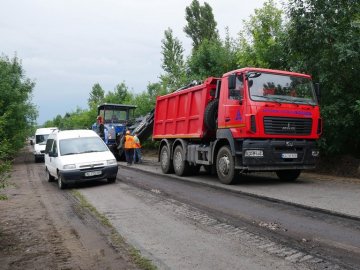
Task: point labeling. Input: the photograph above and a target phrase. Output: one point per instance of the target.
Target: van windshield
(81, 145)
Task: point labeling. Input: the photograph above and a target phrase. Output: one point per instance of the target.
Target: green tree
(201, 24)
(120, 95)
(96, 96)
(324, 40)
(262, 39)
(173, 61)
(17, 113)
(213, 58)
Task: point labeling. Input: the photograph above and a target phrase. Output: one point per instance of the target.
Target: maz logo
(289, 128)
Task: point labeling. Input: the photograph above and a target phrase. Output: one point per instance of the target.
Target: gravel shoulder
(42, 227)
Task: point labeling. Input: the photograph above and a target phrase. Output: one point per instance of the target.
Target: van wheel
(111, 180)
(165, 161)
(50, 178)
(61, 183)
(288, 175)
(225, 165)
(181, 166)
(211, 114)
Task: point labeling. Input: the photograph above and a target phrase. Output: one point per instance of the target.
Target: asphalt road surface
(188, 225)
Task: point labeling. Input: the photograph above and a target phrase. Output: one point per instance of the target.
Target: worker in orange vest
(137, 149)
(129, 148)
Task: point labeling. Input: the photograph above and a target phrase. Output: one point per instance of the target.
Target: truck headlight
(69, 166)
(111, 162)
(254, 153)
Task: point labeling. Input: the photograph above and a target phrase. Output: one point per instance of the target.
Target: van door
(53, 156)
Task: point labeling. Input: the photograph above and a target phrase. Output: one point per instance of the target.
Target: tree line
(17, 113)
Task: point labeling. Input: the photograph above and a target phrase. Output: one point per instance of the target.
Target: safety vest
(129, 142)
(137, 142)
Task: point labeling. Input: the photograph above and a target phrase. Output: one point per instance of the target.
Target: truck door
(234, 104)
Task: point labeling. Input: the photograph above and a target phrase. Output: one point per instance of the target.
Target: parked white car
(74, 156)
(41, 136)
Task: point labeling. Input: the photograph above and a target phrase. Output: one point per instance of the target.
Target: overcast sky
(68, 46)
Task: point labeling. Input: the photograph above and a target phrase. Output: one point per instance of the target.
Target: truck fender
(176, 143)
(169, 144)
(224, 135)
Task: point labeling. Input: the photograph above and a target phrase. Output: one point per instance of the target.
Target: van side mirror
(317, 91)
(232, 81)
(52, 154)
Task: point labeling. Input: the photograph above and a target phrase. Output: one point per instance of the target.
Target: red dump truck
(249, 120)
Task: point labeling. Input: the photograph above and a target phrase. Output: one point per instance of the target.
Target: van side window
(54, 148)
(49, 143)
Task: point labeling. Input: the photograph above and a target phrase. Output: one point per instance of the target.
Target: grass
(116, 239)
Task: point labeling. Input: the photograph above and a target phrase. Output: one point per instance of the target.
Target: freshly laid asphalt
(336, 195)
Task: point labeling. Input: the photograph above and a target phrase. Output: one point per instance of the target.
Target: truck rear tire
(288, 175)
(181, 166)
(211, 114)
(165, 161)
(225, 165)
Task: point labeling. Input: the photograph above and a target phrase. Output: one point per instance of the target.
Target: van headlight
(69, 166)
(254, 153)
(111, 162)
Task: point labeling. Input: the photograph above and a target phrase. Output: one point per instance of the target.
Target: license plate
(289, 155)
(93, 173)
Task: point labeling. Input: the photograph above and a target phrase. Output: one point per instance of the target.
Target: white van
(74, 156)
(41, 136)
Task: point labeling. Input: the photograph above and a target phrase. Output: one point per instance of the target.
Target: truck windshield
(113, 116)
(280, 88)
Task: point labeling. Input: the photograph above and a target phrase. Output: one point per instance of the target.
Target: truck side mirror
(232, 81)
(218, 87)
(317, 91)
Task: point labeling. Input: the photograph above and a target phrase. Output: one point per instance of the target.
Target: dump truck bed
(181, 113)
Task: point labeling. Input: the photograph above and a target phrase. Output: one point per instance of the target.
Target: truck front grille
(287, 126)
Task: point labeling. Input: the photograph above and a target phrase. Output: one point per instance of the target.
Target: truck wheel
(165, 161)
(211, 114)
(225, 166)
(288, 175)
(181, 167)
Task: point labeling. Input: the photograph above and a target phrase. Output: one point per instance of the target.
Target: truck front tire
(225, 165)
(165, 161)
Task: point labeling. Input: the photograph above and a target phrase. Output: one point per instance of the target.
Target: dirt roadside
(44, 228)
